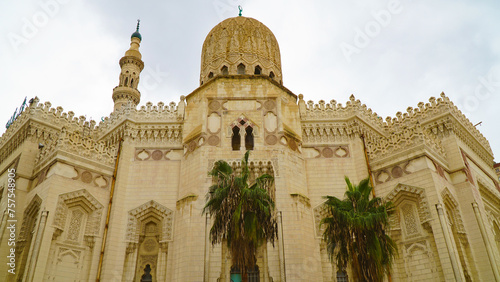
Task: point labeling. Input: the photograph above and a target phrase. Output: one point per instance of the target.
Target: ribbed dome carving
(238, 42)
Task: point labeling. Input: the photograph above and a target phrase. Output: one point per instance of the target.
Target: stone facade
(123, 198)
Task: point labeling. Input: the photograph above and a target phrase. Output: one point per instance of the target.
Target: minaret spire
(131, 66)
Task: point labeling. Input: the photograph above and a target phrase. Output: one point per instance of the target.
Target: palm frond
(243, 215)
(355, 232)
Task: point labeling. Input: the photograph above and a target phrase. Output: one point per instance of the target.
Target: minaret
(131, 65)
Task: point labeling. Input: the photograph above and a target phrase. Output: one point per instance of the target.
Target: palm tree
(356, 232)
(243, 213)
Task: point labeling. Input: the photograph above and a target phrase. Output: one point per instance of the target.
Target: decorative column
(162, 261)
(486, 241)
(130, 262)
(281, 248)
(206, 267)
(2, 225)
(90, 242)
(266, 265)
(36, 246)
(449, 244)
(242, 138)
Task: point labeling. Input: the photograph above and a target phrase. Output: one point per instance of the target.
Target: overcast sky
(389, 54)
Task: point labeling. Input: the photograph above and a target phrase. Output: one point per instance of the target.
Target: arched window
(224, 70)
(236, 139)
(126, 81)
(132, 82)
(258, 70)
(210, 75)
(147, 277)
(249, 138)
(271, 75)
(241, 68)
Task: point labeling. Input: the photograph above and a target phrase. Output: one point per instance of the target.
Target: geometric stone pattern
(411, 193)
(87, 202)
(151, 154)
(388, 174)
(96, 179)
(341, 151)
(238, 41)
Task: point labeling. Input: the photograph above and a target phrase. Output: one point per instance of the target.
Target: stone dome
(240, 45)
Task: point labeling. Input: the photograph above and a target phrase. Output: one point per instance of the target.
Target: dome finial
(136, 33)
(241, 10)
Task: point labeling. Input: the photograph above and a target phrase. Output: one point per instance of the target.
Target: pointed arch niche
(412, 232)
(76, 224)
(243, 133)
(452, 209)
(30, 217)
(149, 230)
(491, 204)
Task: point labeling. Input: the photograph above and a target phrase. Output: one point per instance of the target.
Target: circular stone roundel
(86, 177)
(397, 172)
(157, 155)
(213, 140)
(192, 146)
(271, 139)
(214, 105)
(327, 152)
(149, 245)
(269, 104)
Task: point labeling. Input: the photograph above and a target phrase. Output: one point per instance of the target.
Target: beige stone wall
(162, 181)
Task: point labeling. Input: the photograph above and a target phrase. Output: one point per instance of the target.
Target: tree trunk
(244, 276)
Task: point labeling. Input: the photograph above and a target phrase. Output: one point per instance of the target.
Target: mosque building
(122, 200)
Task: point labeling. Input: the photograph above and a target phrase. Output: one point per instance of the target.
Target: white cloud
(431, 46)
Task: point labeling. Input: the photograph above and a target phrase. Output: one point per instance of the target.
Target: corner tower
(240, 45)
(131, 67)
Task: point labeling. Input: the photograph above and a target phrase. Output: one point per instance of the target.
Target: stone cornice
(337, 130)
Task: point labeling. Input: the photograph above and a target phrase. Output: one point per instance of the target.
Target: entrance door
(236, 277)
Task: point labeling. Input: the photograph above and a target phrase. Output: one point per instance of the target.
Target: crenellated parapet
(332, 122)
(440, 117)
(326, 111)
(424, 125)
(42, 124)
(149, 124)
